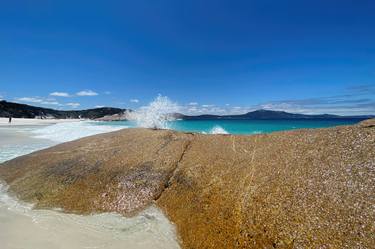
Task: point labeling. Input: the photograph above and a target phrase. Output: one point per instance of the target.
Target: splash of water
(218, 130)
(155, 115)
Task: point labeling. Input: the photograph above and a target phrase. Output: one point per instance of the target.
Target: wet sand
(22, 227)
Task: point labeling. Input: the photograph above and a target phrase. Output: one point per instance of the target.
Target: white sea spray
(218, 130)
(157, 114)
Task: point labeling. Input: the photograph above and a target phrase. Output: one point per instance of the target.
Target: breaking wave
(218, 130)
(155, 115)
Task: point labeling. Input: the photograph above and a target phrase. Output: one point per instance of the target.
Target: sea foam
(218, 130)
(65, 132)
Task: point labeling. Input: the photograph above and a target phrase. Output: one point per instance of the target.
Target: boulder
(115, 172)
(124, 116)
(367, 123)
(311, 188)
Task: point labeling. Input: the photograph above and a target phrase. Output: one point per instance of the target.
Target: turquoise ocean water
(241, 126)
(63, 132)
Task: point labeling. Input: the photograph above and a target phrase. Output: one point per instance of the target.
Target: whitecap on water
(218, 130)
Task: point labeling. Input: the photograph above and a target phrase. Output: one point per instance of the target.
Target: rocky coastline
(17, 110)
(309, 188)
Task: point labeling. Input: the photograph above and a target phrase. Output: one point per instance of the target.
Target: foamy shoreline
(34, 121)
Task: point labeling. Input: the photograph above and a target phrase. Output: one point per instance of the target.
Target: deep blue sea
(241, 126)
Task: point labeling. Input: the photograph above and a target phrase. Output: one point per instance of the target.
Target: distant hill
(17, 110)
(267, 115)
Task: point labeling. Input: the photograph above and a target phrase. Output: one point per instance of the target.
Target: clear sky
(217, 56)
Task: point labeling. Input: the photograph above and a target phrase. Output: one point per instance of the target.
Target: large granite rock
(296, 189)
(119, 171)
(116, 117)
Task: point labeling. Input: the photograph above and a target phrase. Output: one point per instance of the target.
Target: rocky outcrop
(115, 117)
(295, 189)
(367, 123)
(119, 171)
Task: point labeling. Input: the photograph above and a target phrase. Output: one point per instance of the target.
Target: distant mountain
(267, 115)
(17, 110)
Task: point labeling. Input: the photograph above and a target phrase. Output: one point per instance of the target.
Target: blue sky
(208, 56)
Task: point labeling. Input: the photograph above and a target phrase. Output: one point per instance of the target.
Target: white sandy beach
(34, 121)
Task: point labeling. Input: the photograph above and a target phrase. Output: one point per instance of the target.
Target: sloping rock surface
(99, 173)
(296, 189)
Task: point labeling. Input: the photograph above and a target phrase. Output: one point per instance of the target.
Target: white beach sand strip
(32, 121)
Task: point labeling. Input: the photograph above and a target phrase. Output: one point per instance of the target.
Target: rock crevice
(312, 188)
(168, 182)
